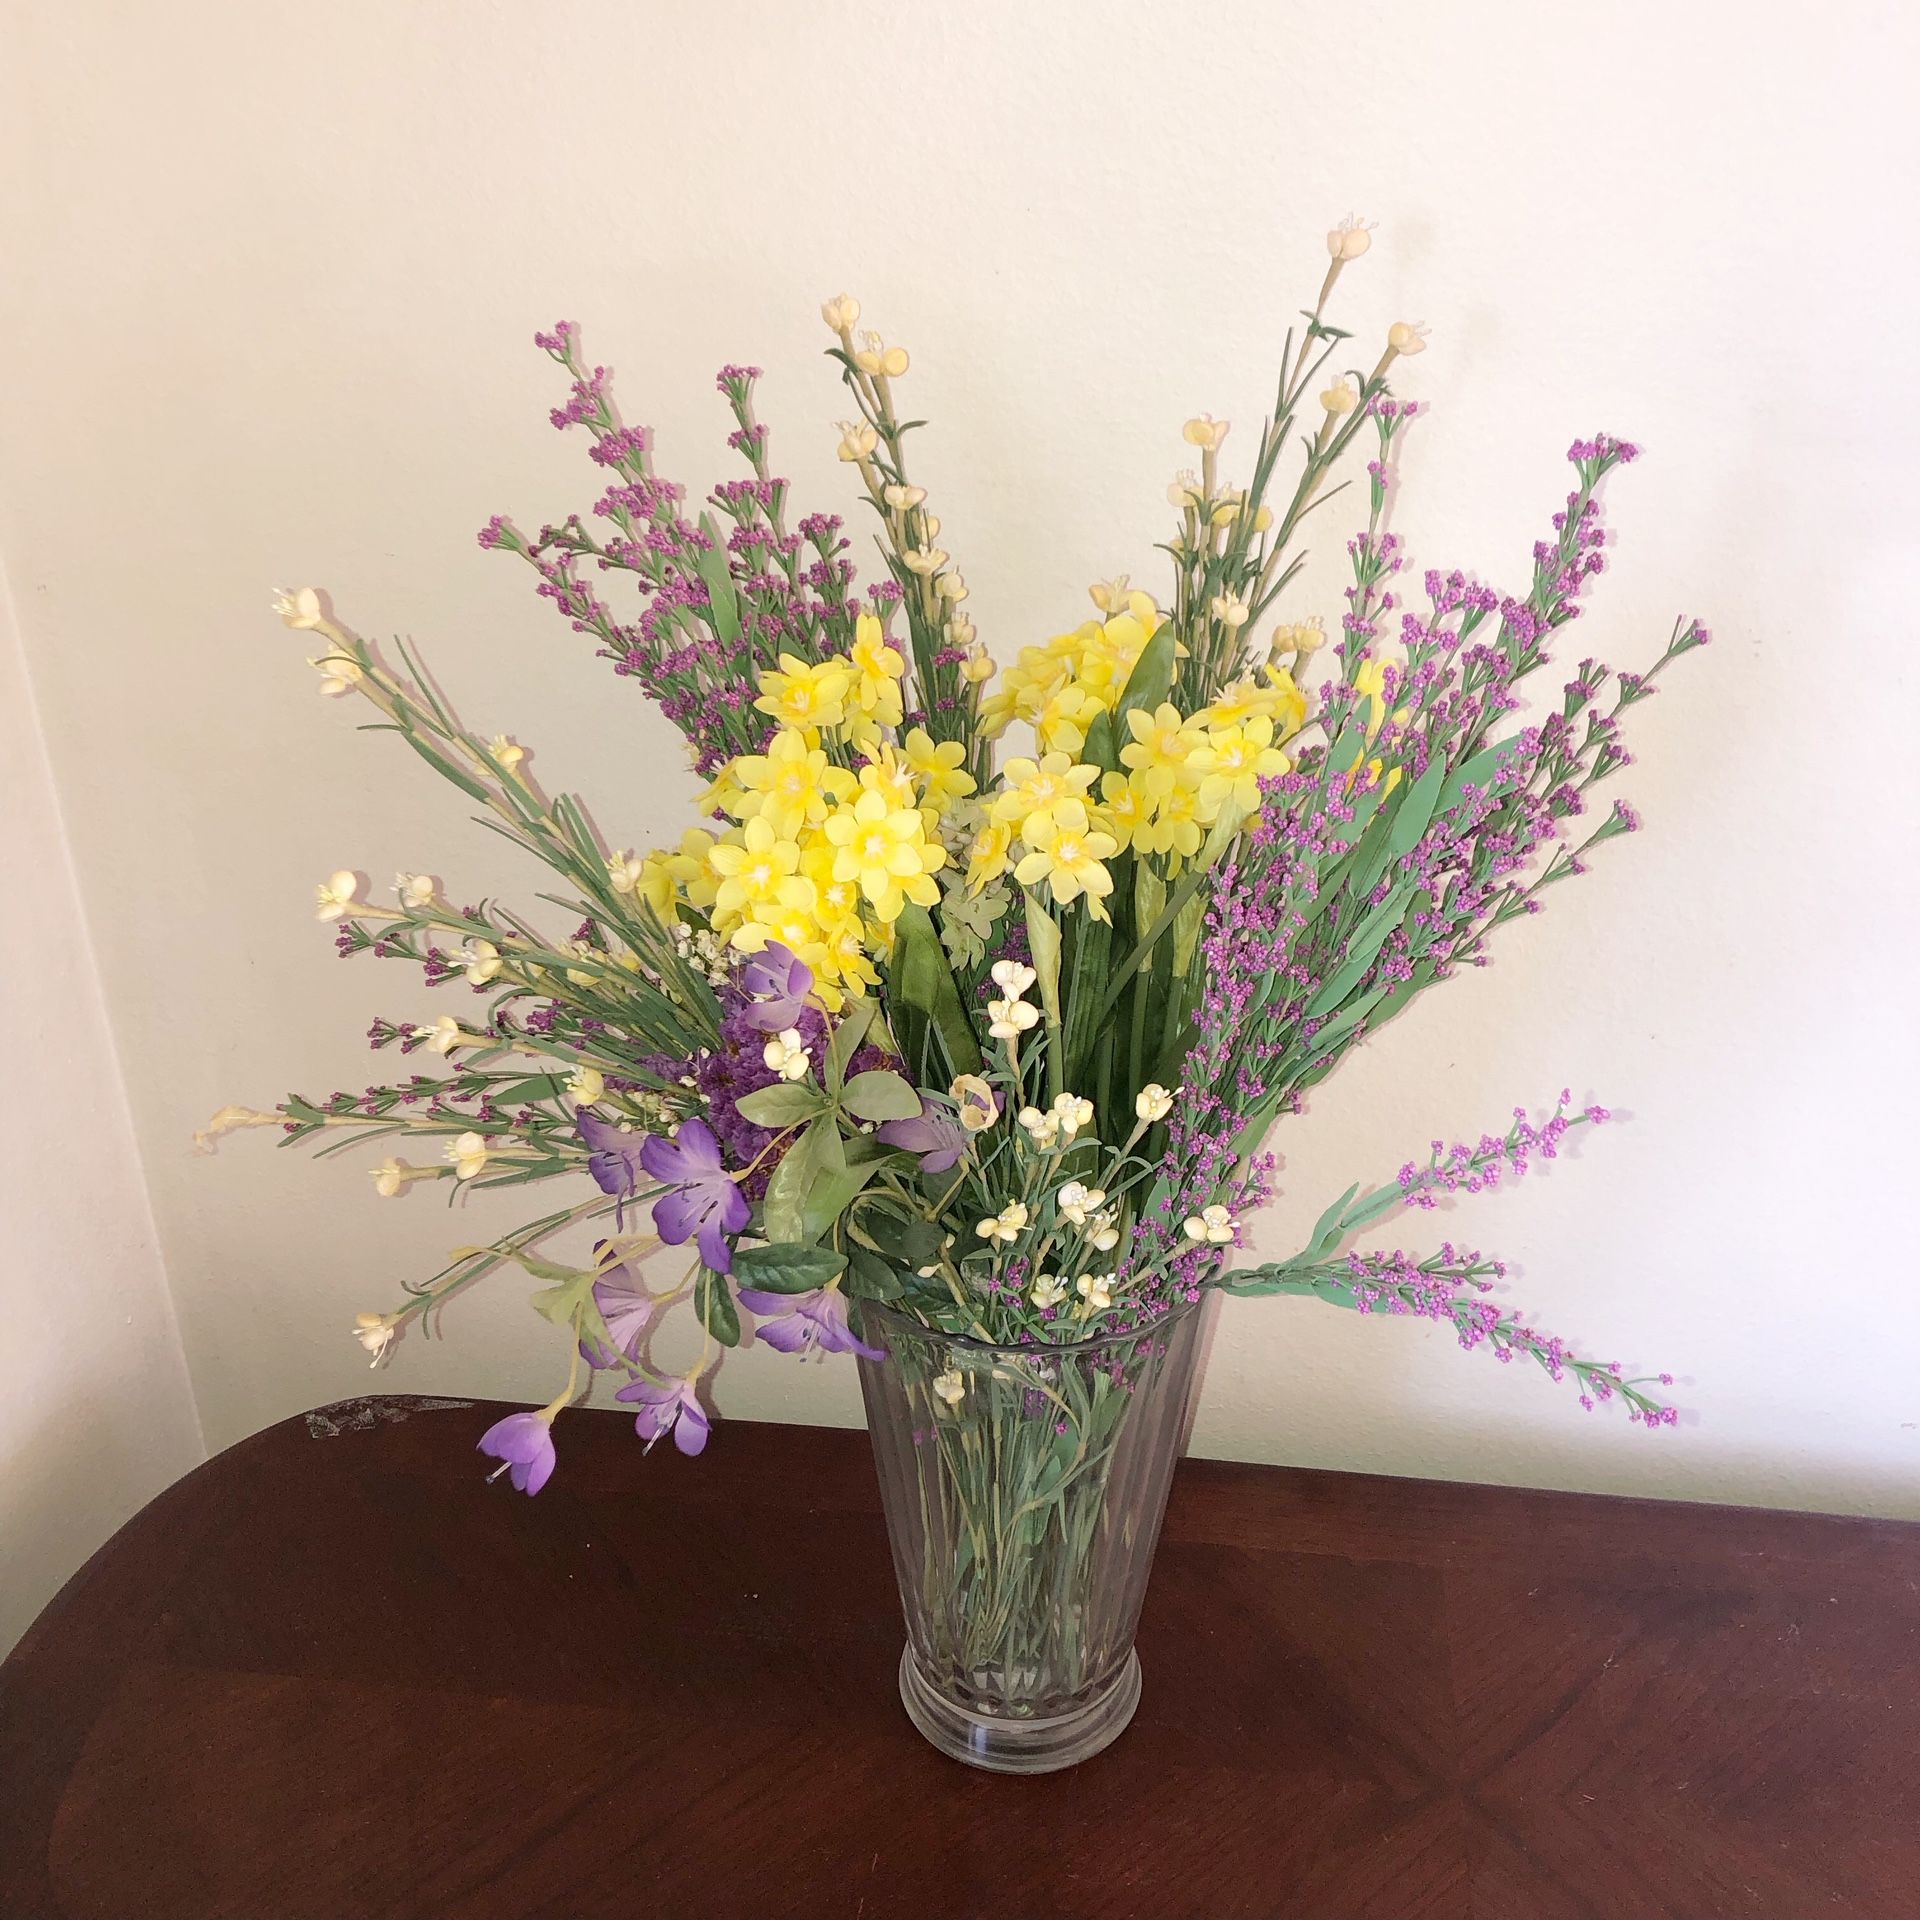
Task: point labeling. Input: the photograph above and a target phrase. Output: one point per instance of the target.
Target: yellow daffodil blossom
(989, 856)
(886, 850)
(1161, 744)
(937, 766)
(799, 695)
(1175, 826)
(1066, 851)
(1030, 787)
(1232, 764)
(888, 775)
(790, 786)
(333, 897)
(750, 871)
(1124, 805)
(878, 667)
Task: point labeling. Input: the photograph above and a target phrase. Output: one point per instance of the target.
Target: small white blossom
(334, 895)
(1407, 337)
(1205, 432)
(375, 1332)
(1096, 1289)
(1076, 1201)
(390, 1177)
(414, 889)
(585, 1085)
(1044, 1127)
(1048, 1290)
(624, 871)
(1072, 1113)
(876, 357)
(481, 960)
(857, 440)
(787, 1055)
(1212, 1226)
(1350, 239)
(1230, 610)
(841, 312)
(1185, 490)
(445, 1034)
(1013, 978)
(467, 1155)
(299, 607)
(951, 1386)
(1006, 1226)
(1341, 397)
(924, 560)
(903, 499)
(1153, 1102)
(1009, 1019)
(338, 674)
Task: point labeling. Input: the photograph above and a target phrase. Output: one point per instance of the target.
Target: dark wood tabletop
(333, 1674)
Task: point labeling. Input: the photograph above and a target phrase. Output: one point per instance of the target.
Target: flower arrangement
(993, 1042)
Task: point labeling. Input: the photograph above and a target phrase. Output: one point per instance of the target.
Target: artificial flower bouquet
(919, 1042)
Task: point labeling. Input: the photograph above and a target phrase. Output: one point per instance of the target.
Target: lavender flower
(806, 1322)
(934, 1134)
(614, 1155)
(523, 1444)
(668, 1406)
(627, 1308)
(779, 982)
(704, 1199)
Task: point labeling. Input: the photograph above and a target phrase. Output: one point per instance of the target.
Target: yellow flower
(791, 785)
(886, 850)
(977, 668)
(1066, 851)
(989, 856)
(937, 764)
(1205, 432)
(875, 356)
(1161, 743)
(750, 871)
(1062, 724)
(1124, 805)
(1303, 636)
(1233, 763)
(1109, 595)
(878, 669)
(803, 696)
(835, 902)
(1175, 825)
(891, 778)
(1032, 787)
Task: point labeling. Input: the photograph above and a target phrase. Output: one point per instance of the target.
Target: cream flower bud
(299, 607)
(467, 1155)
(1407, 337)
(1043, 1128)
(857, 440)
(585, 1085)
(977, 667)
(1211, 1226)
(334, 895)
(1013, 977)
(481, 959)
(391, 1176)
(923, 560)
(786, 1054)
(1230, 610)
(951, 1386)
(1185, 490)
(504, 754)
(875, 356)
(624, 872)
(228, 1120)
(1102, 1233)
(444, 1035)
(952, 587)
(1072, 1113)
(1048, 1291)
(977, 1102)
(375, 1332)
(903, 499)
(1006, 1226)
(338, 674)
(1205, 432)
(1350, 239)
(1110, 596)
(414, 889)
(1153, 1102)
(1304, 636)
(1341, 397)
(841, 312)
(1096, 1289)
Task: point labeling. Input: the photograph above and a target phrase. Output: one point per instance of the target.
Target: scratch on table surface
(355, 1416)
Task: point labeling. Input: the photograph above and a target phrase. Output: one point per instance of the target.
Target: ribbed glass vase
(1024, 1488)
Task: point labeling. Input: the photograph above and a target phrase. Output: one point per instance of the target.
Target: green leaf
(1416, 811)
(869, 1277)
(446, 769)
(827, 1199)
(785, 1105)
(877, 1095)
(786, 1268)
(1150, 681)
(711, 564)
(786, 1198)
(846, 1039)
(1362, 950)
(1101, 749)
(1327, 1229)
(926, 1003)
(1271, 1280)
(713, 1302)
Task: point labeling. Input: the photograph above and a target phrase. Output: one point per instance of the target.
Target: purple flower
(703, 1198)
(802, 1322)
(627, 1308)
(780, 981)
(523, 1444)
(668, 1406)
(935, 1135)
(614, 1155)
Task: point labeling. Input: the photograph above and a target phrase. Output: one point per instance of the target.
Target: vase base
(1020, 1746)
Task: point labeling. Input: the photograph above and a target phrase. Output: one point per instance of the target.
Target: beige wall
(272, 276)
(95, 1413)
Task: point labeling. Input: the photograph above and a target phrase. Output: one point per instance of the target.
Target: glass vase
(1024, 1488)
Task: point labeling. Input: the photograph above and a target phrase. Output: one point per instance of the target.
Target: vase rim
(1174, 1315)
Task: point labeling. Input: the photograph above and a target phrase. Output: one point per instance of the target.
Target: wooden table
(333, 1674)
